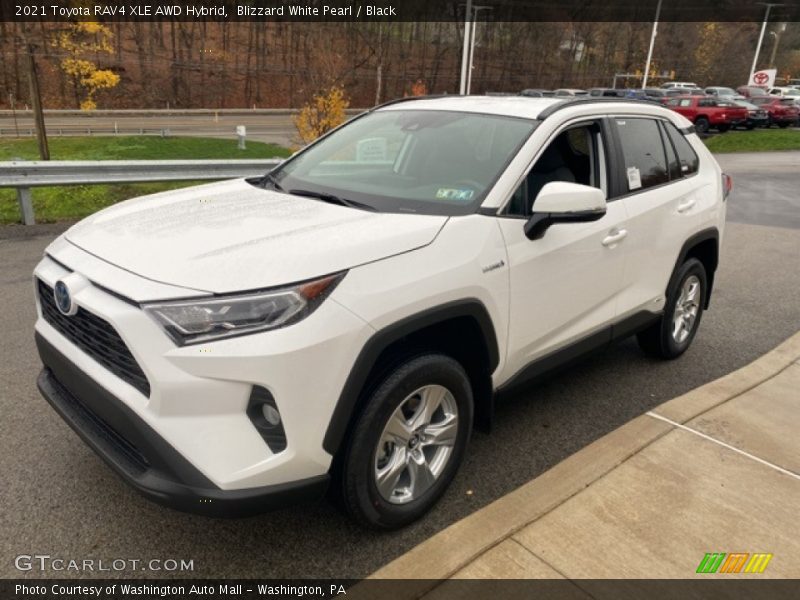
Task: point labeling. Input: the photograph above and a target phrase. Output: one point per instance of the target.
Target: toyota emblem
(63, 299)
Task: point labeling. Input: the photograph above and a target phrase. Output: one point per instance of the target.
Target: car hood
(232, 236)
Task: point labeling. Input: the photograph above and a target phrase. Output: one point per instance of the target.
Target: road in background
(58, 498)
(261, 126)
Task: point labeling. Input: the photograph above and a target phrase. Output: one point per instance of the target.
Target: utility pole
(652, 43)
(13, 112)
(379, 71)
(761, 37)
(36, 102)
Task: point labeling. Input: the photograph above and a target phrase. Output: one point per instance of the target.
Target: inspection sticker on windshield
(634, 178)
(454, 194)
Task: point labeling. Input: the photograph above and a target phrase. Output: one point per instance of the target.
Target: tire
(385, 441)
(723, 128)
(701, 125)
(664, 339)
(749, 126)
(783, 125)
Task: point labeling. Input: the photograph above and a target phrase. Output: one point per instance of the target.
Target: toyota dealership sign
(765, 78)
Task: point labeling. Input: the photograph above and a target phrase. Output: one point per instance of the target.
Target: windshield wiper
(270, 178)
(331, 199)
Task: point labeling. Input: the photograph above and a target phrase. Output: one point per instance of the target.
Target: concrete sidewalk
(714, 470)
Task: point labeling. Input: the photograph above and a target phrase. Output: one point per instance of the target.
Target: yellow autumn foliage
(80, 39)
(323, 113)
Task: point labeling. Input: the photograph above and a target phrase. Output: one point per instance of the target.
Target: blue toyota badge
(63, 299)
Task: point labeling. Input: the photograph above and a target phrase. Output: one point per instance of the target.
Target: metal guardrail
(158, 112)
(23, 175)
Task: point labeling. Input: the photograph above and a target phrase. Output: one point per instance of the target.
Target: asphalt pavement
(57, 498)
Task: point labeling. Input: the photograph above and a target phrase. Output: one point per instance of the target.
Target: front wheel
(408, 442)
(701, 125)
(673, 333)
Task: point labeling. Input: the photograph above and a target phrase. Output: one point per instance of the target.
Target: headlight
(193, 321)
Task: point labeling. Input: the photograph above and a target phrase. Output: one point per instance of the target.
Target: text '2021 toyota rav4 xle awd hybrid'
(347, 318)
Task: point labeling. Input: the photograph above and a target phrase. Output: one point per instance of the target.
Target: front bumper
(199, 395)
(142, 457)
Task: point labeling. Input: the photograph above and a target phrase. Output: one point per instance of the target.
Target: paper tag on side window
(634, 178)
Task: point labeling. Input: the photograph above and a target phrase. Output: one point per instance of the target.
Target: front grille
(96, 337)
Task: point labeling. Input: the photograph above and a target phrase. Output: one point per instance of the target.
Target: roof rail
(590, 100)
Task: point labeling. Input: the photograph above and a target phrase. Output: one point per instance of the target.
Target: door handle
(616, 235)
(685, 206)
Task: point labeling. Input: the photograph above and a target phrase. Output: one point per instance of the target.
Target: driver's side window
(574, 156)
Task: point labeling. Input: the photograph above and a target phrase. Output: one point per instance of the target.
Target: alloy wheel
(416, 444)
(687, 307)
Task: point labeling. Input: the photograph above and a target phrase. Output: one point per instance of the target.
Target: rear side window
(643, 152)
(686, 154)
(672, 158)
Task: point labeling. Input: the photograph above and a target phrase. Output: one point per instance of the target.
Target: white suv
(348, 318)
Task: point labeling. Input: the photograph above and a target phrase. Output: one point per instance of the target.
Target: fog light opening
(266, 418)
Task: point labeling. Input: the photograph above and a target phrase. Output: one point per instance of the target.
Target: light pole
(475, 10)
(777, 35)
(761, 37)
(652, 43)
(465, 50)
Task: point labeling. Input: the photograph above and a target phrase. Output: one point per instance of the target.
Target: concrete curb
(448, 551)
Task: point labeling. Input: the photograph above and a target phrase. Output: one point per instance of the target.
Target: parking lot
(59, 499)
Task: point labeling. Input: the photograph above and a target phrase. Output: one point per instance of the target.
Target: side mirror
(563, 202)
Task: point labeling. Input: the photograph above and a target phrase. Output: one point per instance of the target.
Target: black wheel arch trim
(711, 233)
(382, 339)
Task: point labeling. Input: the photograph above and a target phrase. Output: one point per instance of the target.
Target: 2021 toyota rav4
(348, 317)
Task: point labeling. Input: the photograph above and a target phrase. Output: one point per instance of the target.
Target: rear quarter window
(687, 157)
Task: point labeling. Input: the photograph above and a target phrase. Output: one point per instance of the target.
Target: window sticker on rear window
(634, 178)
(454, 194)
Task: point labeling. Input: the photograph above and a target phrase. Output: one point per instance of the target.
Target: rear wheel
(408, 442)
(701, 125)
(673, 333)
(784, 125)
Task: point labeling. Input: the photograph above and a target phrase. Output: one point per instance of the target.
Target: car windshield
(419, 161)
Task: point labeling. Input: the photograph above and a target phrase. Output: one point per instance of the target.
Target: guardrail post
(25, 205)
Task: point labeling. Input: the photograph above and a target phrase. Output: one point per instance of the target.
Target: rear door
(661, 202)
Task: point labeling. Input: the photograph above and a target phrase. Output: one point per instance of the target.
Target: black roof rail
(590, 100)
(410, 98)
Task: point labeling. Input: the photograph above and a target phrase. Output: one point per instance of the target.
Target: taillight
(727, 185)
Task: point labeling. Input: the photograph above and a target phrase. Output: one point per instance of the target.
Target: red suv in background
(782, 111)
(707, 112)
